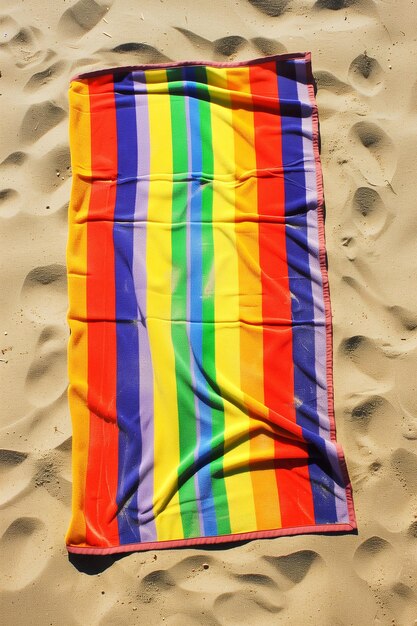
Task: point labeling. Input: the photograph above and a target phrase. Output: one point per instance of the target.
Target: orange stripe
(251, 347)
(79, 127)
(292, 475)
(102, 471)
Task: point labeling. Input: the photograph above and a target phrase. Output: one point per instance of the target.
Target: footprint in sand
(335, 96)
(368, 409)
(404, 465)
(268, 46)
(226, 46)
(371, 409)
(45, 77)
(327, 80)
(375, 153)
(406, 319)
(360, 6)
(293, 568)
(10, 198)
(376, 561)
(52, 170)
(367, 355)
(20, 545)
(272, 8)
(412, 530)
(51, 474)
(39, 119)
(380, 565)
(372, 443)
(81, 18)
(9, 202)
(14, 475)
(21, 43)
(366, 74)
(140, 53)
(231, 606)
(15, 158)
(223, 47)
(370, 214)
(44, 293)
(48, 364)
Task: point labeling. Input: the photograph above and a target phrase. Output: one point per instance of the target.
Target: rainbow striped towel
(200, 357)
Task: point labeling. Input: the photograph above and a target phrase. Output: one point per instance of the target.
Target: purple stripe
(318, 300)
(313, 246)
(342, 510)
(146, 477)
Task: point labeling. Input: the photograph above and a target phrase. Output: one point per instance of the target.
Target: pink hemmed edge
(200, 541)
(326, 293)
(159, 66)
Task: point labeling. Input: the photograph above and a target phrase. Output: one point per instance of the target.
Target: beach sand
(364, 64)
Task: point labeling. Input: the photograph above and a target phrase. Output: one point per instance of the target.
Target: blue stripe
(130, 443)
(302, 306)
(208, 513)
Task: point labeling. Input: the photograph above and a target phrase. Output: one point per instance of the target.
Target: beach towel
(200, 354)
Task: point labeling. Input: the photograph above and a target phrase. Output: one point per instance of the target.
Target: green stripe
(185, 396)
(208, 290)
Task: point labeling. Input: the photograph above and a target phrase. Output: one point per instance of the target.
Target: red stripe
(292, 476)
(101, 481)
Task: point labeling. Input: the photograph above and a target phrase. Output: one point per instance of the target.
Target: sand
(364, 63)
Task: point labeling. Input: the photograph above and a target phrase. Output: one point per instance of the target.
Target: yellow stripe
(159, 289)
(238, 483)
(250, 287)
(80, 139)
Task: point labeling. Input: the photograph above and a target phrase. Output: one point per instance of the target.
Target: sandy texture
(364, 62)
